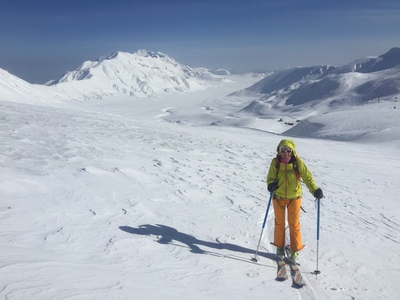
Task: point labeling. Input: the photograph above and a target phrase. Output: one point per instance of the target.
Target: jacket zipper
(286, 181)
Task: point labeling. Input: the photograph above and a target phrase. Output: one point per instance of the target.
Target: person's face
(285, 152)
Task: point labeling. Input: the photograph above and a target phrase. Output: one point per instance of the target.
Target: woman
(283, 180)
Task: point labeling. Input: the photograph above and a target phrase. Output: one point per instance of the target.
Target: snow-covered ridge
(109, 201)
(355, 83)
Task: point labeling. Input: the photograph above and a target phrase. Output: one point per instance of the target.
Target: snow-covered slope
(315, 101)
(15, 89)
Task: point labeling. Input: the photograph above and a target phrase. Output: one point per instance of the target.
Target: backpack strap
(296, 168)
(277, 164)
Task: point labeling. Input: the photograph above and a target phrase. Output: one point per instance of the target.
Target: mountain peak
(146, 53)
(141, 53)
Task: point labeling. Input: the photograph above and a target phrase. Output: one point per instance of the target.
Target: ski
(282, 272)
(296, 275)
(295, 270)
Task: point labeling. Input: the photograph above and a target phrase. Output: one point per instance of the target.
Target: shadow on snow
(167, 235)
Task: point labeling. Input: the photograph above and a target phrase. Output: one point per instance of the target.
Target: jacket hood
(288, 143)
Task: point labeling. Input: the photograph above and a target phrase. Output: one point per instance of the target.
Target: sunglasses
(286, 151)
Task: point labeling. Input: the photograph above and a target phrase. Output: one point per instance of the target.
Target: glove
(318, 193)
(272, 187)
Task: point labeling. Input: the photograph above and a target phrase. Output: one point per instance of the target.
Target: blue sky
(42, 39)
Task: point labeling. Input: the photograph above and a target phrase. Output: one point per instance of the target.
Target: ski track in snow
(96, 205)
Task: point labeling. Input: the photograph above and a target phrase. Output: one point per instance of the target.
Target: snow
(164, 197)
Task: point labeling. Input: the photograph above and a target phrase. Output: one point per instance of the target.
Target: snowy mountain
(140, 74)
(356, 83)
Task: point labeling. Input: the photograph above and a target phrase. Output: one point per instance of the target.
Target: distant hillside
(355, 83)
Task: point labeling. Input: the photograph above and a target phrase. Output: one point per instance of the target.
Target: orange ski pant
(293, 213)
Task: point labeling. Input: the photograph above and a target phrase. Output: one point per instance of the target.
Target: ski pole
(316, 272)
(265, 220)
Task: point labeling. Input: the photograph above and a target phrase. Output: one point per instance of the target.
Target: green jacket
(289, 184)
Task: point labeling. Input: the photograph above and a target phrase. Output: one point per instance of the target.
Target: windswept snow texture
(163, 197)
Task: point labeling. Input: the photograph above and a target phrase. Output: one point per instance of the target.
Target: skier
(283, 179)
